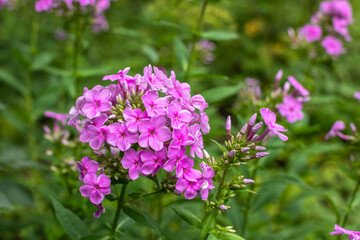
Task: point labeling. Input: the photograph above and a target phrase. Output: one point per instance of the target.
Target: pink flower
(179, 160)
(181, 137)
(153, 104)
(291, 109)
(178, 115)
(119, 136)
(332, 46)
(154, 133)
(353, 235)
(131, 161)
(95, 133)
(96, 187)
(198, 144)
(133, 118)
(120, 76)
(190, 188)
(311, 32)
(86, 166)
(152, 161)
(96, 103)
(270, 120)
(298, 87)
(335, 131)
(357, 95)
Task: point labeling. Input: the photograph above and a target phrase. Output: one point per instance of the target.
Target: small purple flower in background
(311, 33)
(100, 211)
(357, 95)
(96, 187)
(328, 25)
(291, 109)
(332, 46)
(298, 87)
(336, 129)
(353, 235)
(206, 48)
(86, 166)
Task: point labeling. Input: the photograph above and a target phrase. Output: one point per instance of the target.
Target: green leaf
(220, 93)
(42, 60)
(231, 236)
(181, 53)
(11, 81)
(69, 221)
(188, 216)
(4, 201)
(222, 148)
(91, 72)
(16, 193)
(151, 53)
(142, 218)
(207, 224)
(220, 35)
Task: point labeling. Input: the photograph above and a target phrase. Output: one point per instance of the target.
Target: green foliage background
(300, 186)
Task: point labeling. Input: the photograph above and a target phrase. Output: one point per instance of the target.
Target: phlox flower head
(151, 122)
(270, 121)
(95, 187)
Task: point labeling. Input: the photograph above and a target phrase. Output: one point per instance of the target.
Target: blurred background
(299, 184)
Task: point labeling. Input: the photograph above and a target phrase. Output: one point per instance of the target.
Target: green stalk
(120, 204)
(196, 37)
(221, 184)
(350, 204)
(247, 207)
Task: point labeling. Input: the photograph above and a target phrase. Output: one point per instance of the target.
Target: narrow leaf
(4, 201)
(142, 218)
(181, 53)
(219, 145)
(207, 223)
(220, 35)
(69, 221)
(11, 81)
(188, 216)
(220, 93)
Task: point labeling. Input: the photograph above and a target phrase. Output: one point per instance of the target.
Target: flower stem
(196, 37)
(221, 184)
(349, 206)
(247, 207)
(120, 204)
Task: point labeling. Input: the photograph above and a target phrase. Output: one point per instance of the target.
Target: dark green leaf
(16, 193)
(11, 81)
(142, 218)
(69, 221)
(151, 53)
(222, 148)
(188, 216)
(220, 35)
(231, 236)
(4, 201)
(220, 93)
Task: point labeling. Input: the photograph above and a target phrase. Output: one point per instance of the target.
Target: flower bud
(248, 181)
(252, 120)
(228, 124)
(243, 129)
(257, 127)
(223, 207)
(353, 128)
(260, 148)
(244, 149)
(232, 153)
(206, 154)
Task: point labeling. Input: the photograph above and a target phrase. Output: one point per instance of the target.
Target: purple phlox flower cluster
(328, 25)
(206, 48)
(96, 7)
(292, 102)
(95, 186)
(9, 4)
(58, 132)
(336, 129)
(353, 235)
(153, 121)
